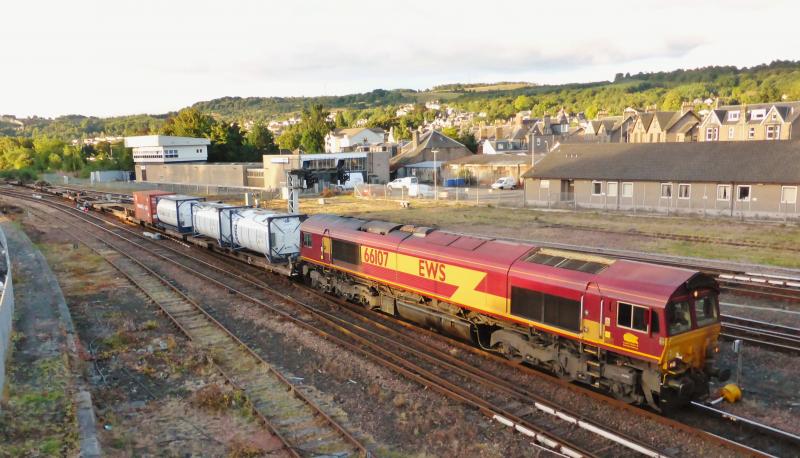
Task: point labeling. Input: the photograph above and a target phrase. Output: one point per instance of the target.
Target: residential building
(423, 147)
(503, 147)
(341, 140)
(548, 132)
(666, 126)
(753, 179)
(485, 169)
(372, 165)
(762, 121)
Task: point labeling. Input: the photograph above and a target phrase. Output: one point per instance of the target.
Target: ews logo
(432, 270)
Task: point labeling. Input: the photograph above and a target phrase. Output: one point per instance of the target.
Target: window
(731, 133)
(743, 193)
(307, 240)
(632, 317)
(733, 116)
(770, 132)
(597, 188)
(345, 252)
(679, 317)
(611, 188)
(712, 134)
(774, 116)
(751, 133)
(627, 189)
(724, 192)
(544, 184)
(789, 194)
(705, 310)
(545, 308)
(684, 191)
(666, 190)
(758, 114)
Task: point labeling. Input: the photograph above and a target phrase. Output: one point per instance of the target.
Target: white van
(505, 183)
(402, 183)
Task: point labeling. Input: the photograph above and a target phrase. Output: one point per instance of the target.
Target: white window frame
(749, 192)
(712, 133)
(544, 184)
(595, 182)
(783, 194)
(609, 186)
(733, 116)
(751, 133)
(623, 189)
(724, 186)
(770, 132)
(688, 195)
(731, 133)
(662, 191)
(633, 307)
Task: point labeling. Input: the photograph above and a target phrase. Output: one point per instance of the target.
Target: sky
(117, 57)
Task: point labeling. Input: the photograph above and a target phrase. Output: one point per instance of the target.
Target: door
(593, 316)
(144, 174)
(326, 247)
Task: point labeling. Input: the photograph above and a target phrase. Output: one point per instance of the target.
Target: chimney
(498, 132)
(686, 107)
(546, 121)
(415, 137)
(743, 114)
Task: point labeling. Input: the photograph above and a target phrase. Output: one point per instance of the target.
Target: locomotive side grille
(546, 308)
(345, 252)
(568, 260)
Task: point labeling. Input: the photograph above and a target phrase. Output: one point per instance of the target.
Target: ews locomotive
(642, 332)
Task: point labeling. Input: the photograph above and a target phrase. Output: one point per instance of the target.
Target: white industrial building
(342, 140)
(162, 149)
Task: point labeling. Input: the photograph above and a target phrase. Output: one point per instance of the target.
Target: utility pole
(435, 181)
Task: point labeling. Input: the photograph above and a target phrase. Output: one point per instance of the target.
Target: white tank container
(276, 236)
(210, 221)
(176, 211)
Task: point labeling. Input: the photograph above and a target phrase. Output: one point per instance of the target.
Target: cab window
(705, 309)
(679, 317)
(307, 241)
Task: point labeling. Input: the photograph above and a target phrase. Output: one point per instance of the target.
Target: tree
(313, 129)
(189, 122)
(340, 122)
(523, 102)
(261, 140)
(289, 139)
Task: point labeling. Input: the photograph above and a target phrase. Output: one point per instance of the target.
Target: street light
(435, 181)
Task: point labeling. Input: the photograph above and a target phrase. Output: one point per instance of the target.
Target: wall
(276, 166)
(196, 173)
(765, 199)
(6, 309)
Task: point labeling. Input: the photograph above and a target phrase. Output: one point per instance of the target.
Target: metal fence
(178, 188)
(457, 195)
(6, 306)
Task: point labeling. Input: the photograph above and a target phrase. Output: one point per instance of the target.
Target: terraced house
(666, 126)
(763, 121)
(749, 179)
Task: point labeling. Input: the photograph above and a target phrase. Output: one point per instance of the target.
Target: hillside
(666, 90)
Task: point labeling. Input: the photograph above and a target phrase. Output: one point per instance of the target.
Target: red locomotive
(643, 332)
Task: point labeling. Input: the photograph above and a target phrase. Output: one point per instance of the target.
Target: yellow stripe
(533, 324)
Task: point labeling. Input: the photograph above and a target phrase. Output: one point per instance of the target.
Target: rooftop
(143, 141)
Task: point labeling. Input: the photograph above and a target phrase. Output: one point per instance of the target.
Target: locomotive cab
(690, 337)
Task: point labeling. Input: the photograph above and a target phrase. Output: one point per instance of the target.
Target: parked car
(505, 183)
(402, 183)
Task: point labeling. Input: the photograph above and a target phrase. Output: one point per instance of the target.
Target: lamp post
(435, 181)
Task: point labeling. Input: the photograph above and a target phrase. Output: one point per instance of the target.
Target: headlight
(674, 363)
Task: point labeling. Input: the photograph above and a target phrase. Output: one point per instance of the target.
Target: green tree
(189, 122)
(260, 139)
(523, 102)
(340, 123)
(313, 129)
(289, 139)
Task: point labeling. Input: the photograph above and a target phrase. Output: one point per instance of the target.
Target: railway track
(568, 433)
(298, 422)
(761, 333)
(516, 407)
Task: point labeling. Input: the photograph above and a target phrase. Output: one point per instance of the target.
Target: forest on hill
(665, 90)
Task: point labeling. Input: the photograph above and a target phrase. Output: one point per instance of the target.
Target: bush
(26, 175)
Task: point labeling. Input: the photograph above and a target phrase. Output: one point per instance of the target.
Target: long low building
(233, 174)
(484, 169)
(753, 179)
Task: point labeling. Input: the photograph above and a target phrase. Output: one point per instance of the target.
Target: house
(422, 148)
(547, 132)
(762, 121)
(608, 129)
(503, 146)
(155, 150)
(485, 169)
(341, 140)
(666, 126)
(753, 179)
